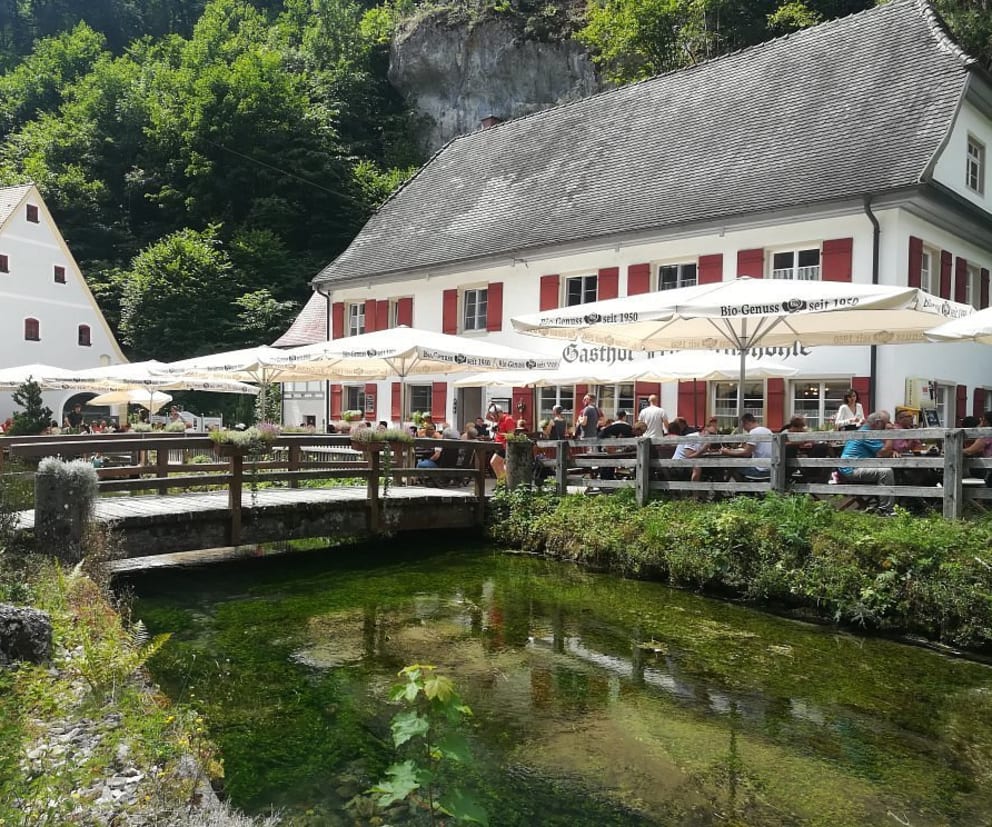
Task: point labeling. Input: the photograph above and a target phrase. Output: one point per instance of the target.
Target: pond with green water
(597, 701)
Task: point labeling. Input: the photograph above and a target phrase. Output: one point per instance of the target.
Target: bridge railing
(794, 466)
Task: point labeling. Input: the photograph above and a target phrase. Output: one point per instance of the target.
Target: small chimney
(490, 121)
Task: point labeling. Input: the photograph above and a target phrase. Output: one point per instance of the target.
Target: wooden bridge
(201, 500)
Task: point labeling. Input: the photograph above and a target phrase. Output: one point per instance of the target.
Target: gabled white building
(47, 313)
(857, 150)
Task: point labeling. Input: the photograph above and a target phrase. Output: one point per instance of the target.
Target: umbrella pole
(740, 385)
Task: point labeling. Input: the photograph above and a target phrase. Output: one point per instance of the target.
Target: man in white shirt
(751, 448)
(654, 418)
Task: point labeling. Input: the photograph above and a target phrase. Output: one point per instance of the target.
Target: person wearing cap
(557, 428)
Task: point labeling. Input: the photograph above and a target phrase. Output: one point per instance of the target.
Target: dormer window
(975, 166)
(32, 213)
(59, 274)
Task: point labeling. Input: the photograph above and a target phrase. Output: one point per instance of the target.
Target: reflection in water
(597, 701)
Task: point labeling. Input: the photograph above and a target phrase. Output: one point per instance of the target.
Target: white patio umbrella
(974, 328)
(150, 399)
(48, 377)
(746, 312)
(406, 351)
(153, 375)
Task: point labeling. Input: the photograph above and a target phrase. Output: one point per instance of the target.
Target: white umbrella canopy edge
(976, 327)
(153, 400)
(152, 374)
(48, 377)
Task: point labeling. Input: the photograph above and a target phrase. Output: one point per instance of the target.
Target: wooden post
(481, 464)
(162, 465)
(953, 472)
(375, 516)
(642, 470)
(234, 496)
(295, 458)
(561, 468)
(779, 476)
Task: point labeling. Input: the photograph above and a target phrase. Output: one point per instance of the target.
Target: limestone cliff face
(457, 75)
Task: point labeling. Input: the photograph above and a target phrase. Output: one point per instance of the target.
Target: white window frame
(612, 398)
(930, 270)
(415, 390)
(944, 398)
(584, 280)
(972, 287)
(356, 318)
(393, 314)
(353, 398)
(682, 276)
(479, 320)
(724, 405)
(974, 176)
(805, 393)
(807, 272)
(548, 397)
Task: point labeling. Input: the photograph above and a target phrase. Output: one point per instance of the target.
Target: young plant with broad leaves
(428, 729)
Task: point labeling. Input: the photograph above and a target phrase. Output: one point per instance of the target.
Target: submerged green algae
(597, 700)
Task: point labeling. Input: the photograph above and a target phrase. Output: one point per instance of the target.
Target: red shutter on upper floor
(337, 320)
(404, 311)
(396, 402)
(862, 384)
(642, 390)
(371, 392)
(751, 263)
(494, 306)
(336, 395)
(838, 262)
(439, 402)
(370, 316)
(382, 315)
(775, 404)
(946, 260)
(978, 402)
(914, 278)
(609, 283)
(960, 405)
(638, 279)
(711, 269)
(449, 312)
(549, 292)
(960, 279)
(525, 397)
(983, 290)
(691, 403)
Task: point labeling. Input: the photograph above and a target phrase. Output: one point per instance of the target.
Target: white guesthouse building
(47, 313)
(857, 150)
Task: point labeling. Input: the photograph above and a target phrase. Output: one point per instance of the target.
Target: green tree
(36, 416)
(971, 23)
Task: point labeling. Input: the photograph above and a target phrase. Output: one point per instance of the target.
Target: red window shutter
(838, 259)
(960, 404)
(439, 402)
(580, 391)
(751, 263)
(978, 402)
(775, 404)
(494, 306)
(960, 279)
(525, 397)
(371, 391)
(549, 292)
(404, 311)
(642, 390)
(337, 392)
(862, 384)
(638, 279)
(609, 283)
(396, 402)
(337, 320)
(691, 403)
(711, 269)
(370, 316)
(381, 315)
(983, 290)
(449, 312)
(945, 274)
(915, 261)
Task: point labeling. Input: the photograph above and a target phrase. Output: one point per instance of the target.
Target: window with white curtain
(356, 318)
(801, 265)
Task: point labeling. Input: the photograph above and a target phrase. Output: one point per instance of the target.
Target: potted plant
(352, 416)
(240, 443)
(367, 440)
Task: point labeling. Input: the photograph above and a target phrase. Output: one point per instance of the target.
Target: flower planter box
(229, 449)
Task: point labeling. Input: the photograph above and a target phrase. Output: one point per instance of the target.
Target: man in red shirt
(503, 424)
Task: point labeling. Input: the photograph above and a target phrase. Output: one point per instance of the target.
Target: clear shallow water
(597, 701)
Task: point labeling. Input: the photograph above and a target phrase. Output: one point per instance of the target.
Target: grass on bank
(918, 575)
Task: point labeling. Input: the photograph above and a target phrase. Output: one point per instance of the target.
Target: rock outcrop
(25, 635)
(455, 76)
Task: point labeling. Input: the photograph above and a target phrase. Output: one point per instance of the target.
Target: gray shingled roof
(10, 197)
(310, 326)
(852, 106)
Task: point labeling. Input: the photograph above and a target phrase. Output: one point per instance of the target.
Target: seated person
(866, 448)
(619, 429)
(691, 450)
(904, 421)
(428, 457)
(982, 447)
(481, 428)
(755, 449)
